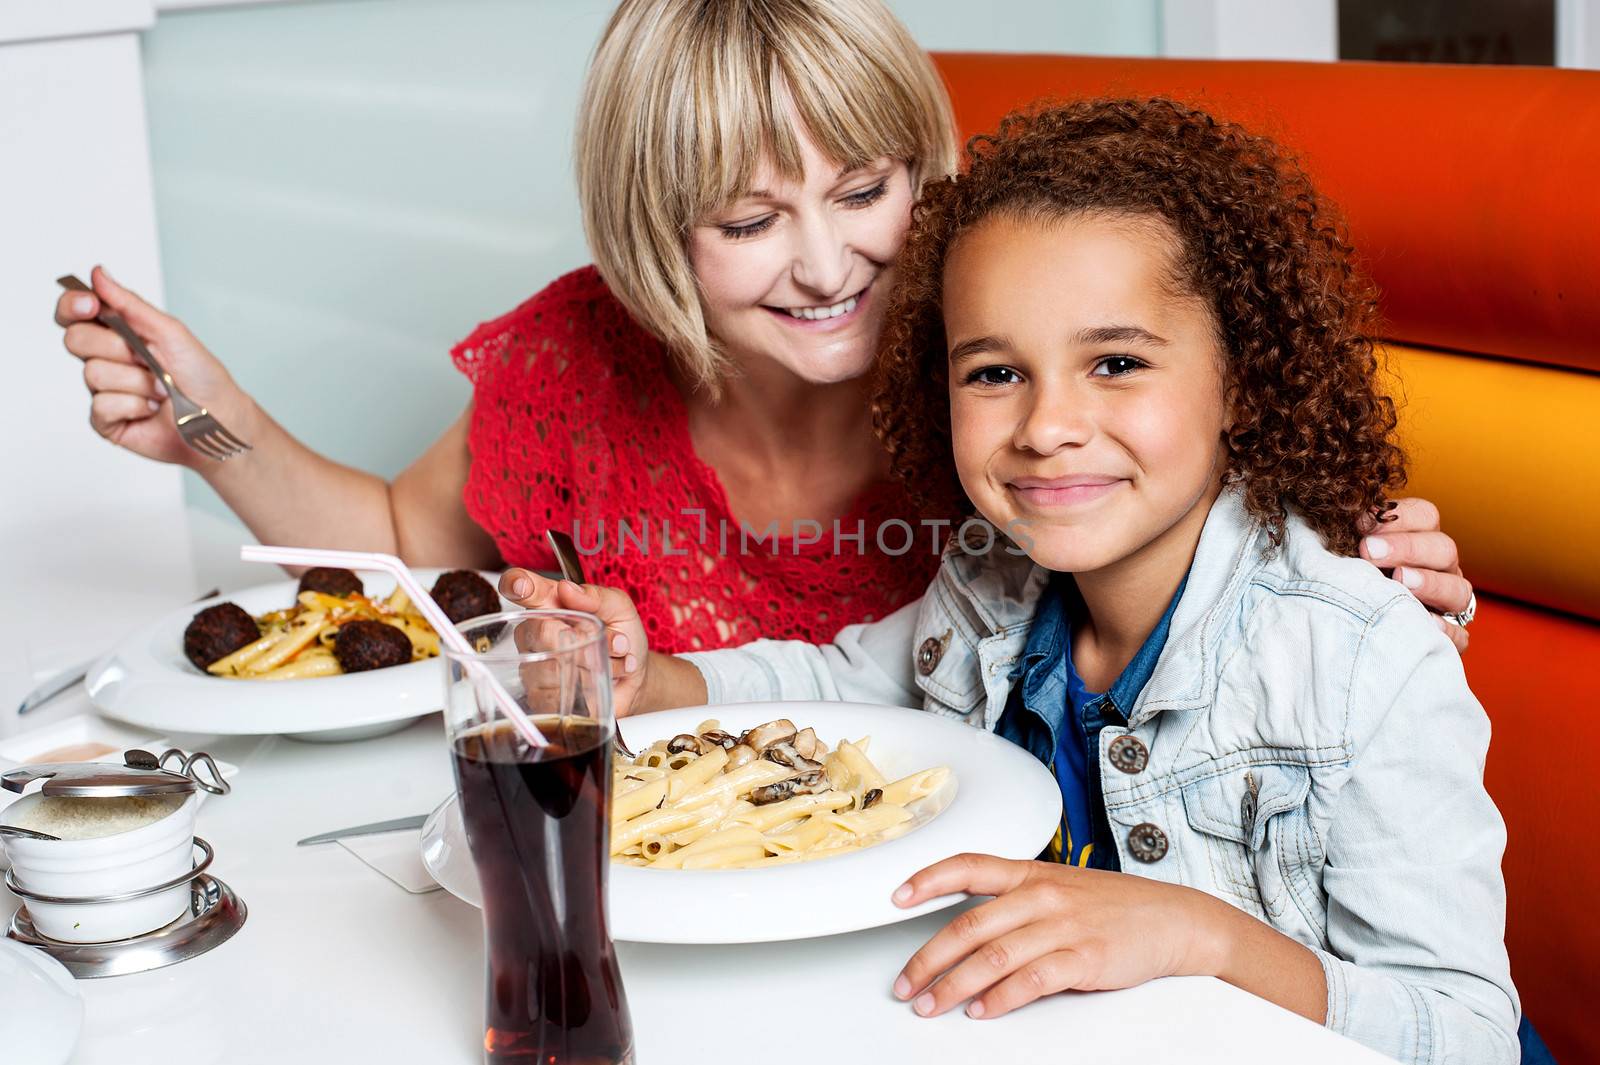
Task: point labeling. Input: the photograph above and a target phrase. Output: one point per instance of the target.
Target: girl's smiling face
(1087, 401)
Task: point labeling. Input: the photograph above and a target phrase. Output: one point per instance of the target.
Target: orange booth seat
(1472, 195)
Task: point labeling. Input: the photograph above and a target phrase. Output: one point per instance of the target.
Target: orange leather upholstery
(1469, 191)
(1510, 455)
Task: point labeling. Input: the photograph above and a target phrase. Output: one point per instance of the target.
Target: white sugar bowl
(123, 831)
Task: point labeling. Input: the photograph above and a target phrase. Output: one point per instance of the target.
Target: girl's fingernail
(630, 664)
(1377, 547)
(902, 986)
(521, 587)
(902, 893)
(83, 305)
(975, 1010)
(1410, 577)
(154, 406)
(619, 644)
(923, 1005)
(161, 389)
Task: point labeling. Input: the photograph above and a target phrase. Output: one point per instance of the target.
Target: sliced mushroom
(806, 742)
(763, 736)
(683, 742)
(785, 754)
(870, 799)
(738, 755)
(726, 740)
(804, 784)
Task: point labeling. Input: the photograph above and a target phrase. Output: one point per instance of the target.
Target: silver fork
(571, 565)
(197, 427)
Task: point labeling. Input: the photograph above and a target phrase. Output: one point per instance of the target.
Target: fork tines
(208, 436)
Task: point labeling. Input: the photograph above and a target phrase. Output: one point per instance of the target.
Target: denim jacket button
(1128, 754)
(928, 655)
(1147, 843)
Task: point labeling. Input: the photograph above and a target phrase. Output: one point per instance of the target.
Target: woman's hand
(1421, 557)
(1053, 928)
(626, 643)
(126, 402)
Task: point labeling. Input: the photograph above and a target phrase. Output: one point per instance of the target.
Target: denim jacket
(1306, 749)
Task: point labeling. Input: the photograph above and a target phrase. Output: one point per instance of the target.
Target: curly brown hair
(1311, 427)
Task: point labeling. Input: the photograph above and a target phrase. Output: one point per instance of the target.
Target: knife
(70, 676)
(397, 825)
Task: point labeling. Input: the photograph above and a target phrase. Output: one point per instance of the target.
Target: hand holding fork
(114, 331)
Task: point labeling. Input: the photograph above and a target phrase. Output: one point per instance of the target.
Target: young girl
(1132, 338)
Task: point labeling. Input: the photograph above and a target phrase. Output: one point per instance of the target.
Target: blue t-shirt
(1054, 715)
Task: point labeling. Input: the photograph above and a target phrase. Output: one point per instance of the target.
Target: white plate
(1006, 804)
(146, 680)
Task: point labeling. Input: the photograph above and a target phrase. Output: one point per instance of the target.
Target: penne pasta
(772, 804)
(695, 773)
(732, 836)
(918, 785)
(231, 664)
(773, 815)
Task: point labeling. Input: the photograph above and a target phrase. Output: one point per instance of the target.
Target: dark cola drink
(537, 822)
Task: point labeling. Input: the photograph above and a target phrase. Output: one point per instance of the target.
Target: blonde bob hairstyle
(685, 97)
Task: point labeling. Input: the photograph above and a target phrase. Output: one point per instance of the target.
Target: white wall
(89, 536)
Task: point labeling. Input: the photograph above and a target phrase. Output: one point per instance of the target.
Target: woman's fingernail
(902, 987)
(1409, 577)
(154, 406)
(619, 644)
(975, 1009)
(83, 305)
(630, 664)
(161, 389)
(521, 587)
(923, 1005)
(902, 894)
(1377, 547)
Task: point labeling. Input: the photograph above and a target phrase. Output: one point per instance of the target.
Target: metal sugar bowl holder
(215, 913)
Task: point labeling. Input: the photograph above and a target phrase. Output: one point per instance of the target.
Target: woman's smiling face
(1086, 391)
(799, 271)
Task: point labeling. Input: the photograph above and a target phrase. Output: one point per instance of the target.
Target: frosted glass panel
(345, 188)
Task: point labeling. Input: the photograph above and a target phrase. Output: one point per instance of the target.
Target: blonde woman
(692, 408)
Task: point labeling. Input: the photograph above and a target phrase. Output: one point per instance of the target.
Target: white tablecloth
(337, 964)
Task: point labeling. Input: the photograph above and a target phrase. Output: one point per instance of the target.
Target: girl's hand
(626, 642)
(126, 403)
(1049, 928)
(1421, 557)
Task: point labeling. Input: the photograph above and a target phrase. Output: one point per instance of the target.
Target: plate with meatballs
(334, 656)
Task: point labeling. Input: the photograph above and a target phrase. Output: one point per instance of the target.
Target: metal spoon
(26, 833)
(567, 558)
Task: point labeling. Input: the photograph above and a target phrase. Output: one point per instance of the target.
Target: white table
(338, 964)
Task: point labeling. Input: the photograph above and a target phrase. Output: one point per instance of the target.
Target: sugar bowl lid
(140, 774)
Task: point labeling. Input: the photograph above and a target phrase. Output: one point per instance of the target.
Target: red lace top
(578, 426)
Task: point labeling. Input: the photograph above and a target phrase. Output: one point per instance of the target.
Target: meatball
(330, 580)
(462, 594)
(218, 631)
(363, 645)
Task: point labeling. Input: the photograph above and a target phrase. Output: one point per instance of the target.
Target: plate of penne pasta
(771, 821)
(291, 666)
